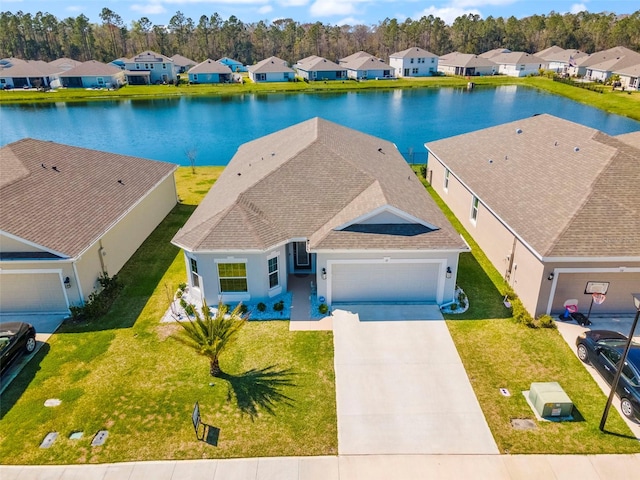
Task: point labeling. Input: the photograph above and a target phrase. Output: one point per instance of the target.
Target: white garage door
(384, 282)
(26, 293)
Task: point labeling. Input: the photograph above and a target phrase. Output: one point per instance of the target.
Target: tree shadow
(259, 389)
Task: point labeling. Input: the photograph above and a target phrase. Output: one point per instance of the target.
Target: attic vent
(575, 149)
(55, 169)
(490, 161)
(518, 130)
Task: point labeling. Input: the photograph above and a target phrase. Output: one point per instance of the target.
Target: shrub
(179, 294)
(462, 299)
(189, 310)
(520, 314)
(243, 309)
(183, 303)
(323, 308)
(261, 307)
(182, 286)
(99, 301)
(546, 321)
(278, 306)
(423, 171)
(453, 306)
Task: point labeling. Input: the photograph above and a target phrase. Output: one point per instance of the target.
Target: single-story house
(92, 74)
(629, 77)
(17, 73)
(414, 62)
(326, 201)
(355, 56)
(234, 65)
(151, 68)
(364, 68)
(182, 64)
(466, 64)
(210, 71)
(494, 53)
(560, 60)
(319, 68)
(517, 64)
(272, 69)
(582, 67)
(552, 203)
(64, 64)
(602, 71)
(68, 215)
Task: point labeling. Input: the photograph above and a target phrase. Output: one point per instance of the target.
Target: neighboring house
(601, 72)
(272, 69)
(355, 56)
(363, 68)
(92, 74)
(182, 64)
(16, 73)
(119, 62)
(68, 214)
(64, 64)
(210, 71)
(629, 77)
(560, 60)
(583, 67)
(414, 62)
(234, 65)
(319, 68)
(150, 68)
(517, 64)
(466, 64)
(552, 203)
(494, 53)
(326, 201)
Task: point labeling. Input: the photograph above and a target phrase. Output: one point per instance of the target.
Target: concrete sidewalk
(357, 467)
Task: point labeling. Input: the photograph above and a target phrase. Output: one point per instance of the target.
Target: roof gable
(210, 66)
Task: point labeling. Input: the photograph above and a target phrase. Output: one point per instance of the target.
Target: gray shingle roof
(458, 59)
(304, 182)
(210, 66)
(566, 189)
(366, 63)
(67, 209)
(270, 65)
(413, 52)
(92, 68)
(318, 64)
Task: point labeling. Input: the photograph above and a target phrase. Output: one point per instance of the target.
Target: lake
(214, 127)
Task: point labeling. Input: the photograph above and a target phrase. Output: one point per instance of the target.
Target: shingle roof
(92, 68)
(606, 55)
(566, 189)
(495, 52)
(514, 58)
(27, 69)
(413, 52)
(270, 65)
(149, 56)
(68, 208)
(354, 56)
(319, 64)
(366, 63)
(304, 182)
(464, 60)
(182, 61)
(210, 66)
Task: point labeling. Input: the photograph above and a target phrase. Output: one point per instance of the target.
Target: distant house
(64, 64)
(364, 68)
(629, 77)
(182, 63)
(321, 200)
(517, 64)
(319, 68)
(17, 73)
(414, 62)
(466, 64)
(355, 56)
(234, 65)
(272, 69)
(119, 62)
(596, 65)
(93, 210)
(150, 68)
(210, 71)
(92, 74)
(552, 203)
(560, 60)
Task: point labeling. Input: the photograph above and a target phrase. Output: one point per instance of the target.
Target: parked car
(15, 338)
(603, 349)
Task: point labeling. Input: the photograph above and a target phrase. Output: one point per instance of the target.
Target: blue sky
(335, 12)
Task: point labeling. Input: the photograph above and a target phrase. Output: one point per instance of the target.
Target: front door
(301, 258)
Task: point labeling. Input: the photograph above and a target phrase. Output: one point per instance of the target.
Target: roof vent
(576, 149)
(120, 182)
(518, 130)
(239, 174)
(490, 161)
(555, 144)
(43, 165)
(55, 169)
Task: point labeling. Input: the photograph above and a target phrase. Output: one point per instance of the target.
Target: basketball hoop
(598, 298)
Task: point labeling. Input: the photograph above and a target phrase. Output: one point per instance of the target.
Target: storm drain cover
(76, 435)
(100, 438)
(52, 402)
(523, 424)
(49, 439)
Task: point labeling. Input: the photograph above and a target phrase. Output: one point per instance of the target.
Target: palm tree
(209, 335)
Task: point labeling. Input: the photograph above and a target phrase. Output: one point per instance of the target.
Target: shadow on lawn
(259, 389)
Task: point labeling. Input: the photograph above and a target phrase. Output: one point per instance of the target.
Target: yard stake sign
(197, 420)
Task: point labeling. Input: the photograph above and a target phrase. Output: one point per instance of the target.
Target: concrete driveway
(400, 385)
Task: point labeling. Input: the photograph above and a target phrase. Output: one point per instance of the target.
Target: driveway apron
(401, 387)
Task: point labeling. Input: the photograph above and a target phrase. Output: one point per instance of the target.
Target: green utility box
(549, 400)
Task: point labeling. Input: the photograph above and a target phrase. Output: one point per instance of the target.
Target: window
(164, 65)
(274, 281)
(474, 209)
(195, 77)
(195, 279)
(446, 179)
(261, 77)
(233, 277)
(411, 61)
(414, 71)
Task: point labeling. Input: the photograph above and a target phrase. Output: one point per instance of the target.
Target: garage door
(384, 282)
(25, 293)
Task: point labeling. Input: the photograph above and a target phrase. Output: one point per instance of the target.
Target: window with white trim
(233, 277)
(195, 279)
(274, 275)
(474, 209)
(446, 179)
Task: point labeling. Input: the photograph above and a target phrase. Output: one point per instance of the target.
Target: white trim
(35, 245)
(41, 270)
(387, 252)
(386, 208)
(589, 259)
(557, 271)
(441, 271)
(230, 260)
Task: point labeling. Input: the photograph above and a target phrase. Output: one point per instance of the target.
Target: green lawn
(125, 373)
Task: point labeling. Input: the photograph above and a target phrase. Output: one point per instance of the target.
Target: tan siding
(8, 244)
(527, 277)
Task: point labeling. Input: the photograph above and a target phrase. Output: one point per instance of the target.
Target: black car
(603, 349)
(15, 338)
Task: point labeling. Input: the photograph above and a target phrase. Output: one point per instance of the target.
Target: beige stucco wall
(8, 244)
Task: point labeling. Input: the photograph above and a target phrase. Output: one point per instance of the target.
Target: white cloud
(351, 21)
(265, 9)
(328, 8)
(463, 4)
(293, 3)
(74, 8)
(447, 14)
(578, 7)
(148, 9)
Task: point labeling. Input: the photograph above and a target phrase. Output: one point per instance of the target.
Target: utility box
(549, 400)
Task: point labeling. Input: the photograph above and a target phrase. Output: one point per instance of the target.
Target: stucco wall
(8, 244)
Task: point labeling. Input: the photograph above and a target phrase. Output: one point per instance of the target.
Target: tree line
(44, 37)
